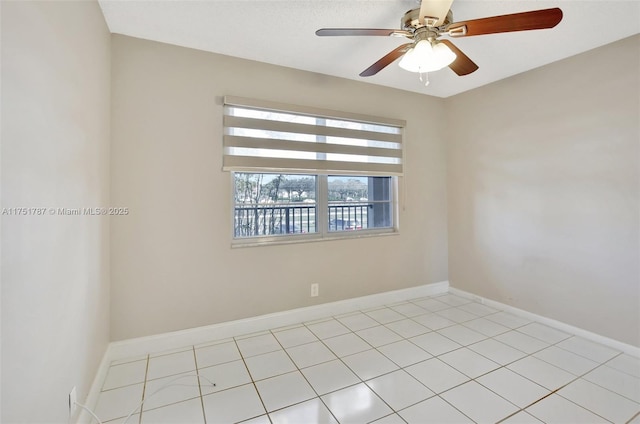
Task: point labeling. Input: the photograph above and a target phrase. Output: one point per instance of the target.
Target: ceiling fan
(434, 19)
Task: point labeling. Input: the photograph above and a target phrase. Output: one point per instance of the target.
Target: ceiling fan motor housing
(411, 20)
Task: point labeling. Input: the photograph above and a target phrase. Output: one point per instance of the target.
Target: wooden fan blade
(338, 32)
(434, 9)
(525, 21)
(462, 65)
(386, 60)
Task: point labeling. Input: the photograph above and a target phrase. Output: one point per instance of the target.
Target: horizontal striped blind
(262, 136)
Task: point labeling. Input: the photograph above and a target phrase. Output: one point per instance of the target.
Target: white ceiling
(283, 33)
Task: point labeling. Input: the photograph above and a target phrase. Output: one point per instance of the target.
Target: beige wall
(544, 189)
(172, 263)
(55, 150)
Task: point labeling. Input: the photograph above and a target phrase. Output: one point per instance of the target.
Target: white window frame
(322, 220)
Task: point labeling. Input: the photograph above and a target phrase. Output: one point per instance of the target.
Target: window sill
(312, 238)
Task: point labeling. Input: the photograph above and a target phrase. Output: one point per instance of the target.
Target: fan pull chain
(424, 78)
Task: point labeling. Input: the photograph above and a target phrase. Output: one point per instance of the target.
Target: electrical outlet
(72, 401)
(314, 289)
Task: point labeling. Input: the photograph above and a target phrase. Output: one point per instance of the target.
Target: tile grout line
(305, 377)
(195, 359)
(252, 382)
(144, 388)
(634, 417)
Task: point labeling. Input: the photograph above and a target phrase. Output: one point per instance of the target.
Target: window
(356, 203)
(303, 173)
(275, 205)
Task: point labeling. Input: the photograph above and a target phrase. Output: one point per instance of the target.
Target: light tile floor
(442, 359)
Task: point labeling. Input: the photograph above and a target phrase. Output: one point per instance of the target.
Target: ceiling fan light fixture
(443, 54)
(424, 57)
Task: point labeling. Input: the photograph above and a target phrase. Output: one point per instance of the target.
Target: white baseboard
(567, 328)
(193, 336)
(94, 391)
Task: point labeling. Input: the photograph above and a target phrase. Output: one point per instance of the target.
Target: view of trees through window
(278, 204)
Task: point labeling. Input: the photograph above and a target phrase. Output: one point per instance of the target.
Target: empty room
(298, 212)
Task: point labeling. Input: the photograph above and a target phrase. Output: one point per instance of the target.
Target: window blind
(261, 136)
